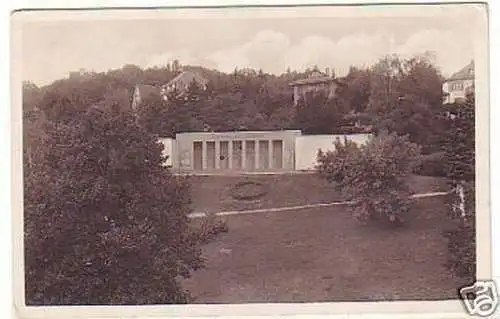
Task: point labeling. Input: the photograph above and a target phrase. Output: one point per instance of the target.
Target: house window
(457, 86)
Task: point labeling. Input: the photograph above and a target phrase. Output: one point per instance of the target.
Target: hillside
(254, 100)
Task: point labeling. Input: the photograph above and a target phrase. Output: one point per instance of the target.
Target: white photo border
(418, 309)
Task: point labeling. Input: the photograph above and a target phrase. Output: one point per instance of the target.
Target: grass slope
(212, 193)
(323, 254)
(319, 254)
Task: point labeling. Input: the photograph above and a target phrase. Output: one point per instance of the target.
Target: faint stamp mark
(480, 299)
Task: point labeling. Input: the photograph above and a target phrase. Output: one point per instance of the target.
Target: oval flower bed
(248, 190)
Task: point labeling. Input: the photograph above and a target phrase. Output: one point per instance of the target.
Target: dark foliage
(459, 145)
(399, 95)
(461, 236)
(460, 162)
(248, 190)
(432, 165)
(373, 175)
(405, 98)
(319, 114)
(104, 221)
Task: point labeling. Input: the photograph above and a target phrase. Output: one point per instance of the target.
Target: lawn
(212, 193)
(323, 254)
(319, 254)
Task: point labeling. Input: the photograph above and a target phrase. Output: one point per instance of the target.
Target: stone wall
(307, 147)
(253, 151)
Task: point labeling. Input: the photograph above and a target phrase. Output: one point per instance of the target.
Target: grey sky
(51, 48)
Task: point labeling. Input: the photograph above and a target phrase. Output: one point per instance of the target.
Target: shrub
(459, 149)
(333, 166)
(432, 165)
(373, 175)
(461, 235)
(248, 190)
(210, 226)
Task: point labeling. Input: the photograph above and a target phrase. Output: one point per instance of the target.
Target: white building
(180, 83)
(249, 151)
(457, 86)
(316, 82)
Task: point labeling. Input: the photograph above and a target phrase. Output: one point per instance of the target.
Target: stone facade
(307, 147)
(248, 152)
(457, 90)
(257, 151)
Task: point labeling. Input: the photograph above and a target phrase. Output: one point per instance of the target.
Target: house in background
(316, 82)
(460, 84)
(180, 84)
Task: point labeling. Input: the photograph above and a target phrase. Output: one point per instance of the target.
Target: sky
(51, 48)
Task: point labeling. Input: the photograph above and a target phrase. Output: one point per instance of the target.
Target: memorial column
(217, 154)
(257, 154)
(230, 154)
(243, 155)
(204, 155)
(270, 153)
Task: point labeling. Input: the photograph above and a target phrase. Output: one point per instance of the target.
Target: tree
(383, 94)
(230, 101)
(272, 97)
(117, 97)
(33, 120)
(157, 76)
(421, 80)
(182, 111)
(187, 108)
(105, 222)
(228, 111)
(176, 66)
(356, 92)
(155, 115)
(373, 175)
(34, 124)
(31, 96)
(417, 119)
(459, 142)
(461, 234)
(319, 114)
(405, 95)
(66, 100)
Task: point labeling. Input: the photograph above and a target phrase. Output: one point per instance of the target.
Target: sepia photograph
(253, 155)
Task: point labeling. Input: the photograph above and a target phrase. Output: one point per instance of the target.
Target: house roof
(313, 81)
(186, 77)
(466, 73)
(315, 78)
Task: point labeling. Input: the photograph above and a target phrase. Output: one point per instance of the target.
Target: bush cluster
(461, 235)
(248, 190)
(373, 176)
(460, 154)
(433, 164)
